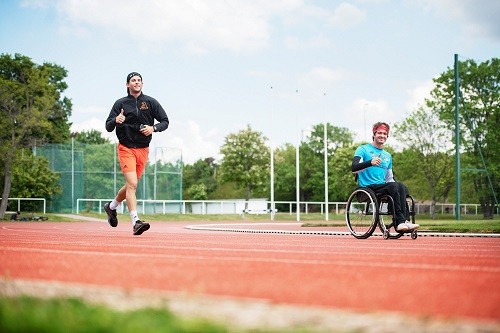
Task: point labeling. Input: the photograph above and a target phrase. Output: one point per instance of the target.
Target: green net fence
(90, 171)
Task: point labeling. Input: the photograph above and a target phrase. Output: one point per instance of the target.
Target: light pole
(272, 161)
(325, 143)
(297, 170)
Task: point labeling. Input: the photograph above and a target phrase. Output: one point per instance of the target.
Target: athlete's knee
(392, 187)
(131, 185)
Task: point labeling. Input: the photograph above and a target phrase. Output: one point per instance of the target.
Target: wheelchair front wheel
(385, 228)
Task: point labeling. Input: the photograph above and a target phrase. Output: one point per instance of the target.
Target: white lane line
(227, 227)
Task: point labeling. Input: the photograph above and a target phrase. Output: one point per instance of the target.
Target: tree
(340, 179)
(199, 179)
(90, 137)
(32, 110)
(246, 160)
(312, 164)
(284, 173)
(33, 178)
(479, 119)
(427, 137)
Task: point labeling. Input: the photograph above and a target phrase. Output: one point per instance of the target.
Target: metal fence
(93, 171)
(262, 206)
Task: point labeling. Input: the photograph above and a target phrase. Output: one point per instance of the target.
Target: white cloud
(201, 26)
(479, 18)
(322, 78)
(193, 142)
(93, 123)
(346, 15)
(418, 94)
(295, 43)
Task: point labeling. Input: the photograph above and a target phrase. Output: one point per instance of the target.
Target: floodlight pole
(457, 140)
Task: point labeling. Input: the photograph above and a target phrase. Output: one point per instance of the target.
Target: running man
(133, 117)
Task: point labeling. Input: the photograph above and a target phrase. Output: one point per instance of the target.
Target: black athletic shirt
(141, 110)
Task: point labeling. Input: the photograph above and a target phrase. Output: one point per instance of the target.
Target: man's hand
(376, 161)
(147, 130)
(120, 119)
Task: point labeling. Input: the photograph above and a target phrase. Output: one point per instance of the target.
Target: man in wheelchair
(373, 168)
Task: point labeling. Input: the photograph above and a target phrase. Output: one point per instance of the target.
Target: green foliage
(312, 170)
(32, 110)
(199, 179)
(90, 137)
(198, 192)
(479, 118)
(246, 160)
(429, 156)
(340, 178)
(99, 164)
(32, 177)
(284, 173)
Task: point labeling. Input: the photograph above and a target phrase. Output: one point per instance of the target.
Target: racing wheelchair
(365, 211)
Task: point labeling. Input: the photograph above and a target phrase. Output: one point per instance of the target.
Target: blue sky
(280, 66)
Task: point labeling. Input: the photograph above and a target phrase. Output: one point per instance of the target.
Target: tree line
(34, 112)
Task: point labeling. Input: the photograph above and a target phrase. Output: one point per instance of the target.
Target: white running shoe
(406, 226)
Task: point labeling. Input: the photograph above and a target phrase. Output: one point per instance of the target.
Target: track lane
(427, 277)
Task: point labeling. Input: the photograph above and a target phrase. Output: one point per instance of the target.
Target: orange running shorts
(133, 159)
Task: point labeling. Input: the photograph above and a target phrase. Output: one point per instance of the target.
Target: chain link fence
(92, 171)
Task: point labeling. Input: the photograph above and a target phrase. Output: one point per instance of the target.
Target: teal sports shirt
(374, 174)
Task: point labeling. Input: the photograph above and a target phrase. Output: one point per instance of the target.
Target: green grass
(462, 226)
(28, 314)
(442, 223)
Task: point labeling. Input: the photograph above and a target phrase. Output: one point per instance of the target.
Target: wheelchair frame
(365, 211)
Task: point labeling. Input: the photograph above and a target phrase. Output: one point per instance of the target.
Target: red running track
(438, 277)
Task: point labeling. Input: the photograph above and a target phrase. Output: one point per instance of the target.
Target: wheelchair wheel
(386, 227)
(361, 212)
(410, 203)
(386, 218)
(385, 209)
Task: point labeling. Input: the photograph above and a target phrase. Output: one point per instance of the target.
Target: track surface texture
(262, 279)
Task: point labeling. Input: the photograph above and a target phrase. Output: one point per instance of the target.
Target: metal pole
(325, 143)
(457, 141)
(72, 171)
(156, 170)
(297, 170)
(272, 163)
